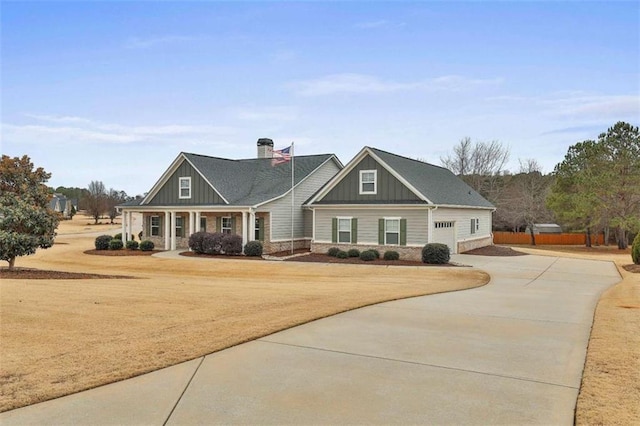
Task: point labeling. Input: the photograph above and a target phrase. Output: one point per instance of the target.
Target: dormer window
(184, 187)
(368, 182)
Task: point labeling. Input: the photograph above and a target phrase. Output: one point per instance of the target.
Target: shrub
(342, 254)
(212, 243)
(253, 248)
(231, 244)
(115, 244)
(195, 242)
(354, 253)
(391, 255)
(118, 236)
(368, 255)
(132, 245)
(375, 252)
(147, 245)
(635, 249)
(140, 234)
(102, 242)
(436, 253)
(333, 251)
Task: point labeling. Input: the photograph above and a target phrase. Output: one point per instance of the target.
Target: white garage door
(445, 233)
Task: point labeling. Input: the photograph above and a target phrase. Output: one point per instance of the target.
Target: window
(203, 224)
(155, 226)
(392, 231)
(344, 229)
(185, 187)
(179, 226)
(475, 225)
(226, 225)
(256, 226)
(368, 180)
(439, 225)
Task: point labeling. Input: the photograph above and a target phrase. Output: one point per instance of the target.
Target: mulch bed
(218, 256)
(39, 274)
(324, 258)
(122, 252)
(495, 251)
(633, 268)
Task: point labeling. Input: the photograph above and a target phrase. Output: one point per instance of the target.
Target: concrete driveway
(511, 352)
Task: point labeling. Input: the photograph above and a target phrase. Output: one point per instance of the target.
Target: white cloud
(148, 42)
(365, 84)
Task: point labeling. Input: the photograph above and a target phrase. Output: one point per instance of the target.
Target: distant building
(545, 228)
(61, 204)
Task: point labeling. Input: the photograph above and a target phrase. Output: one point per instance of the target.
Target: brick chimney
(265, 148)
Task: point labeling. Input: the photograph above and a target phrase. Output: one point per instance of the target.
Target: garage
(444, 232)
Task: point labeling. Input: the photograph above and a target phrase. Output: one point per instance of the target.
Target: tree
(95, 201)
(115, 198)
(26, 223)
(479, 164)
(533, 189)
(598, 183)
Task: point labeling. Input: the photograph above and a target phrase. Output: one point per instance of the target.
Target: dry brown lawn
(63, 336)
(610, 391)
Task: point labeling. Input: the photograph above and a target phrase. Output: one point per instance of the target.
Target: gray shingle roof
(253, 181)
(436, 183)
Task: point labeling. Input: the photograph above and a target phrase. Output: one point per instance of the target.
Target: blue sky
(113, 91)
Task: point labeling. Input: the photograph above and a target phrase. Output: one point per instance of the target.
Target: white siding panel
(281, 208)
(417, 223)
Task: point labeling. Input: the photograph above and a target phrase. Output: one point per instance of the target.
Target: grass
(63, 336)
(610, 391)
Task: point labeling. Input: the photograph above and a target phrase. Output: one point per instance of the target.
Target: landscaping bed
(121, 252)
(495, 251)
(39, 274)
(325, 258)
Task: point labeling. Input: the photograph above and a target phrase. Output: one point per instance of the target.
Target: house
(389, 202)
(253, 198)
(63, 205)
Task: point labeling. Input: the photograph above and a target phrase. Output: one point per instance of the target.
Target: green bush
(115, 244)
(436, 254)
(342, 254)
(118, 236)
(368, 255)
(132, 245)
(391, 255)
(635, 249)
(253, 248)
(376, 253)
(102, 242)
(147, 245)
(333, 251)
(354, 253)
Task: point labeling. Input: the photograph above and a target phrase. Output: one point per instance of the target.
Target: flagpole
(293, 198)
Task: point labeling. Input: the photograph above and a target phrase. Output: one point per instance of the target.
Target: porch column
(244, 228)
(252, 225)
(124, 227)
(167, 230)
(192, 225)
(197, 221)
(173, 230)
(129, 226)
(430, 226)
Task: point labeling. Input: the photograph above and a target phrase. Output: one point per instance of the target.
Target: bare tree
(479, 164)
(533, 188)
(95, 201)
(114, 198)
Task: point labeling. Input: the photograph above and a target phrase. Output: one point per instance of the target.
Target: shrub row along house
(378, 200)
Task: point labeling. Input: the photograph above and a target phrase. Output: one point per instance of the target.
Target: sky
(114, 91)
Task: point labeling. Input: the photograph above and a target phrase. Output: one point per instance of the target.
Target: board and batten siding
(462, 219)
(389, 189)
(280, 209)
(201, 191)
(417, 224)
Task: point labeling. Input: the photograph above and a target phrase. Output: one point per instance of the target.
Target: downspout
(431, 228)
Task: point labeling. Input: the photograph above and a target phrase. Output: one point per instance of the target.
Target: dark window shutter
(218, 224)
(381, 231)
(354, 231)
(334, 230)
(473, 226)
(161, 228)
(403, 232)
(147, 226)
(233, 225)
(261, 228)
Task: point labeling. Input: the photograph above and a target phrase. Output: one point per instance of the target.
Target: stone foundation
(464, 246)
(406, 252)
(275, 247)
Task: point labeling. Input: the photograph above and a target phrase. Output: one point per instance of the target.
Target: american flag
(281, 156)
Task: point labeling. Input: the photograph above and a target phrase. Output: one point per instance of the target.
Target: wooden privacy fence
(545, 239)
